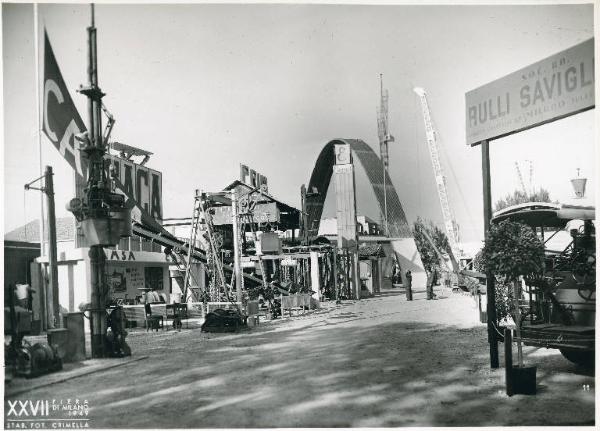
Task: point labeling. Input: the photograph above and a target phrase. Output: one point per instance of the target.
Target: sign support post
(489, 277)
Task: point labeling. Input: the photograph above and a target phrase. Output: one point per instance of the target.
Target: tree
(429, 257)
(520, 197)
(513, 250)
(503, 291)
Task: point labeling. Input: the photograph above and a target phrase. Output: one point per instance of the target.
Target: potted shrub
(512, 251)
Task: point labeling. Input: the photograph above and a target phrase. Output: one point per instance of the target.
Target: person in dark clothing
(430, 281)
(408, 284)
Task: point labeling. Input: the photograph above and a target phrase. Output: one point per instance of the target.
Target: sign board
(253, 179)
(62, 123)
(263, 213)
(133, 280)
(142, 257)
(343, 154)
(143, 183)
(553, 88)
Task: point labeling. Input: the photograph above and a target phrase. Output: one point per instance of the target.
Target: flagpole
(38, 131)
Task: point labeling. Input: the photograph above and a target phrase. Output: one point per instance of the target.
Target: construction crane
(449, 223)
(382, 124)
(520, 175)
(521, 182)
(384, 138)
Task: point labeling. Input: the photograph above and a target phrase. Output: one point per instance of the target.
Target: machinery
(21, 357)
(221, 320)
(449, 222)
(558, 307)
(385, 137)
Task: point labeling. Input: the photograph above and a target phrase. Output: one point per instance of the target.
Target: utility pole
(38, 124)
(52, 252)
(52, 298)
(97, 188)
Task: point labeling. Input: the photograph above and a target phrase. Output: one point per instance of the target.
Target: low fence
(297, 301)
(137, 313)
(195, 310)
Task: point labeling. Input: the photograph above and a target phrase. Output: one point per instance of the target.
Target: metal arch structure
(370, 161)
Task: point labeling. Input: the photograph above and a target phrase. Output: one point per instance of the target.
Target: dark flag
(61, 120)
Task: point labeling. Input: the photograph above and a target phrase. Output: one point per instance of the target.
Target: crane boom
(520, 178)
(439, 177)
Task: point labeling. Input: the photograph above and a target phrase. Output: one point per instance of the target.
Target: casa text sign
(558, 86)
(119, 255)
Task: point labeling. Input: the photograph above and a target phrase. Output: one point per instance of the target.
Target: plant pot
(524, 380)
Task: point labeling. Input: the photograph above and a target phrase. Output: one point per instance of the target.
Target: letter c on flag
(51, 86)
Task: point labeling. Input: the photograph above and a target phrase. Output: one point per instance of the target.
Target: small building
(134, 266)
(371, 259)
(21, 248)
(376, 252)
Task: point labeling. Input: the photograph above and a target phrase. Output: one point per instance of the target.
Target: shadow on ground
(352, 374)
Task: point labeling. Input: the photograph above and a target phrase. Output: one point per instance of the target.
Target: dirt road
(380, 362)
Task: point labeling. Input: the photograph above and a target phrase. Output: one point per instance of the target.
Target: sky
(207, 87)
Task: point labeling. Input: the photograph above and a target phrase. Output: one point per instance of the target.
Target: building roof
(290, 216)
(370, 250)
(238, 183)
(65, 231)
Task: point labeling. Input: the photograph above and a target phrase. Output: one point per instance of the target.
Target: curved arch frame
(321, 177)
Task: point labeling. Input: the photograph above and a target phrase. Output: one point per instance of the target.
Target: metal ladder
(179, 258)
(201, 216)
(250, 220)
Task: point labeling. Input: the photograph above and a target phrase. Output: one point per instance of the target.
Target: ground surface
(380, 362)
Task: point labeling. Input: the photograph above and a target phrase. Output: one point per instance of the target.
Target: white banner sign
(555, 87)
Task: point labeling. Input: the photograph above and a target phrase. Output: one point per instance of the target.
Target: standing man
(430, 281)
(408, 285)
